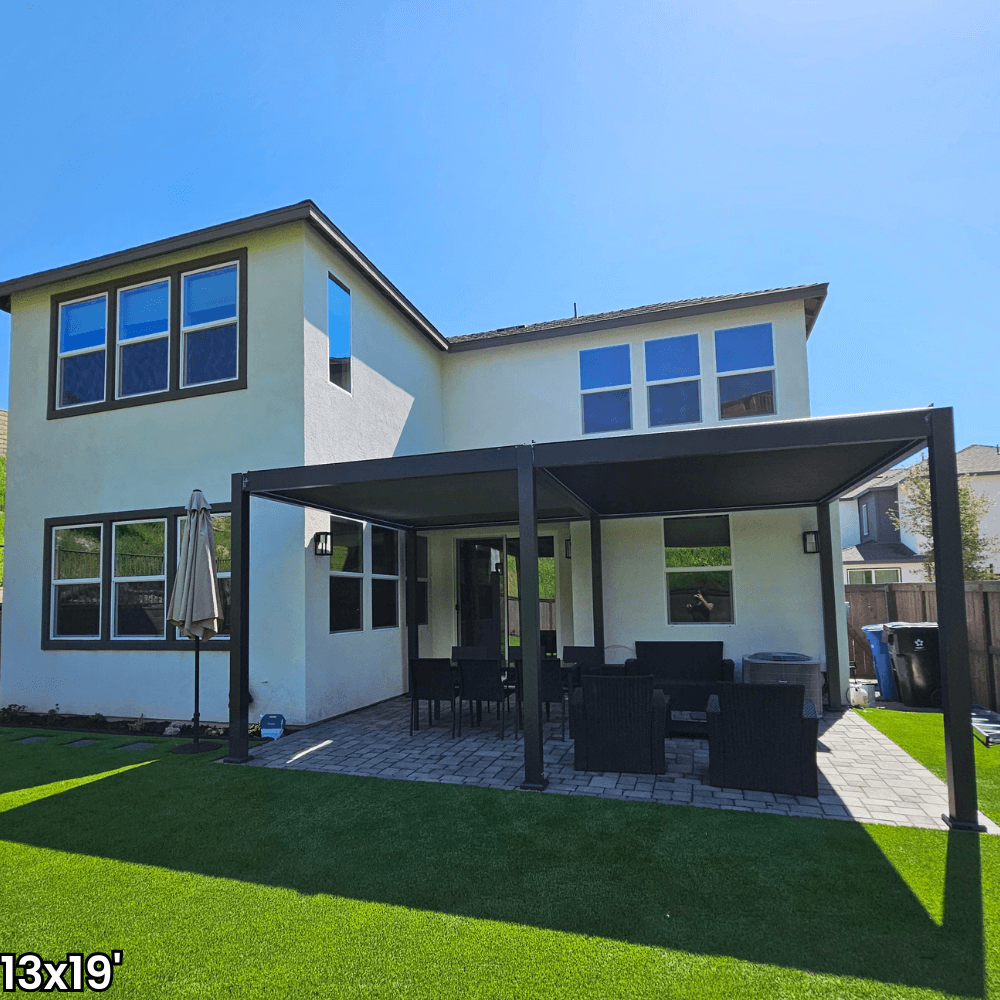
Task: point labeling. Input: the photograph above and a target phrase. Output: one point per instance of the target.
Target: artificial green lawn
(221, 881)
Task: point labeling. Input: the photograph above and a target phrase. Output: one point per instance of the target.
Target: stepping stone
(81, 743)
(33, 739)
(137, 746)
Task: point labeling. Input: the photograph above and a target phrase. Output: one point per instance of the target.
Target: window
(83, 335)
(873, 576)
(167, 334)
(222, 531)
(699, 570)
(338, 328)
(608, 369)
(385, 578)
(208, 325)
(139, 579)
(76, 581)
(346, 575)
(107, 579)
(144, 339)
(673, 388)
(864, 519)
(748, 352)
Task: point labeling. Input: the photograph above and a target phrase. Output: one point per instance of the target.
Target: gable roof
(872, 552)
(304, 211)
(812, 295)
(972, 460)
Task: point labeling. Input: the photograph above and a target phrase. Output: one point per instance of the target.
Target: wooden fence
(875, 603)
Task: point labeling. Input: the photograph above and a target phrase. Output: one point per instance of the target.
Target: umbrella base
(196, 747)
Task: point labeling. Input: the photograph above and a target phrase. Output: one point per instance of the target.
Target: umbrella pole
(197, 651)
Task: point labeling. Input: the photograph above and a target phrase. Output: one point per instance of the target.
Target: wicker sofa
(689, 672)
(762, 737)
(619, 724)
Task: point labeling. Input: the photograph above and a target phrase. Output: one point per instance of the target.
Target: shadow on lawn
(819, 896)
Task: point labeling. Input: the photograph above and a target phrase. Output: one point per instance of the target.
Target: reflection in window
(209, 314)
(222, 532)
(143, 338)
(346, 579)
(743, 349)
(605, 368)
(698, 561)
(139, 579)
(338, 326)
(76, 582)
(385, 578)
(82, 344)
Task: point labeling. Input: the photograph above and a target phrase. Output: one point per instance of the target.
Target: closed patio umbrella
(195, 607)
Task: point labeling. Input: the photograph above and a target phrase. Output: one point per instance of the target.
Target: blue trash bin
(882, 661)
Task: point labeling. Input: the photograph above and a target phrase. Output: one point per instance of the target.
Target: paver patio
(864, 776)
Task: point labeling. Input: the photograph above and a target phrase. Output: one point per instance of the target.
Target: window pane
(211, 355)
(859, 576)
(385, 611)
(82, 379)
(139, 608)
(78, 610)
(672, 357)
(222, 529)
(210, 296)
(345, 546)
(887, 576)
(605, 366)
(225, 599)
(683, 532)
(700, 597)
(77, 553)
(139, 548)
(746, 395)
(345, 604)
(143, 367)
(607, 411)
(338, 325)
(142, 311)
(676, 403)
(385, 558)
(83, 325)
(744, 347)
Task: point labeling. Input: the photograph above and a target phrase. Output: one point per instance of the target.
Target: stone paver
(864, 777)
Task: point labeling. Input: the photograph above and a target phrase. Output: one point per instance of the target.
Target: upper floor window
(338, 326)
(673, 386)
(748, 353)
(176, 332)
(608, 370)
(864, 518)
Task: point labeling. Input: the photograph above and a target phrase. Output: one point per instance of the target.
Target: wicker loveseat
(619, 724)
(762, 737)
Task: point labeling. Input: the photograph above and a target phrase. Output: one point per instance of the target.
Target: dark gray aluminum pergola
(809, 462)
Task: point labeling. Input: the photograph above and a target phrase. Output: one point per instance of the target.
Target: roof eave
(812, 296)
(304, 211)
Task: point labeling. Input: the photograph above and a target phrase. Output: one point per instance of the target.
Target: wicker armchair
(762, 738)
(619, 724)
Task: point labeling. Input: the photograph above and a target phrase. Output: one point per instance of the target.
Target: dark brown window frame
(174, 388)
(105, 642)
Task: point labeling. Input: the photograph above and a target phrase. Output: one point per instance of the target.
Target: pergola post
(410, 571)
(831, 613)
(597, 581)
(239, 618)
(531, 647)
(953, 633)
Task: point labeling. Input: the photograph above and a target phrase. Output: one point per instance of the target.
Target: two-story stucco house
(273, 342)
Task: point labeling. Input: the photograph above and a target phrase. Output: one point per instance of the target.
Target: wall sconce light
(810, 542)
(321, 543)
(569, 545)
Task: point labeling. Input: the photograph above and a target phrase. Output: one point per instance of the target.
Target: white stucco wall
(152, 456)
(531, 392)
(393, 408)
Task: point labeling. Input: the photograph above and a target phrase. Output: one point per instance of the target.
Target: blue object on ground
(272, 725)
(882, 662)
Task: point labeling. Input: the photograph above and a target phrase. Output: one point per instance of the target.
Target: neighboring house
(875, 550)
(272, 342)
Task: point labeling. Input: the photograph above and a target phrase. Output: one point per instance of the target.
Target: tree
(915, 516)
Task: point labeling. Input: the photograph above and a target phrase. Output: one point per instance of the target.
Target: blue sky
(500, 161)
